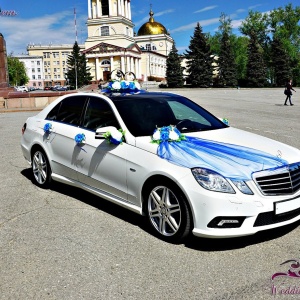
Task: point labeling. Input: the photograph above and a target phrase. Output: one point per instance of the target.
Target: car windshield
(142, 113)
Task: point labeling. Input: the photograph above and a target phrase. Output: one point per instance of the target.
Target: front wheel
(41, 169)
(167, 212)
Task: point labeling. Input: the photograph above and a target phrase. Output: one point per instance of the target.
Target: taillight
(24, 128)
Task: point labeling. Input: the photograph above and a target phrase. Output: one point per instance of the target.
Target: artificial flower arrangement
(115, 137)
(121, 85)
(80, 138)
(225, 121)
(48, 128)
(167, 134)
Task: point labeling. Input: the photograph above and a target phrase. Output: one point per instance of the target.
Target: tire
(40, 168)
(167, 211)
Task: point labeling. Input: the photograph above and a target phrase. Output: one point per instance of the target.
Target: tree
(281, 62)
(199, 60)
(227, 74)
(16, 71)
(256, 71)
(174, 71)
(78, 73)
(284, 26)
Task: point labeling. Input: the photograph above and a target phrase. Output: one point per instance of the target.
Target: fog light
(226, 222)
(221, 223)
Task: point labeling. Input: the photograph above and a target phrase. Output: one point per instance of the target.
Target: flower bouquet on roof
(122, 83)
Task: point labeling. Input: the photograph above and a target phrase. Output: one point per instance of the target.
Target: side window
(99, 114)
(68, 110)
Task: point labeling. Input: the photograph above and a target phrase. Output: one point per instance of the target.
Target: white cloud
(57, 28)
(205, 9)
(193, 25)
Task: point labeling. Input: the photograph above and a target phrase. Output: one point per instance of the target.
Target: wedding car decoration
(115, 137)
(80, 138)
(48, 128)
(167, 134)
(122, 83)
(233, 161)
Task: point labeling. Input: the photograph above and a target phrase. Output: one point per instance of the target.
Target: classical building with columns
(113, 44)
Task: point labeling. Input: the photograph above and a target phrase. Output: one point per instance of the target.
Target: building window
(39, 77)
(104, 30)
(33, 76)
(105, 62)
(154, 47)
(33, 70)
(105, 7)
(38, 63)
(148, 47)
(39, 70)
(56, 54)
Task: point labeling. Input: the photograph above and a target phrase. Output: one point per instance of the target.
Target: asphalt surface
(64, 243)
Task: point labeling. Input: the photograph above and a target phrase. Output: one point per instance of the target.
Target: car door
(65, 119)
(101, 165)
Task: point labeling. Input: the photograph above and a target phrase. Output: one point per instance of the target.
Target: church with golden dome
(112, 42)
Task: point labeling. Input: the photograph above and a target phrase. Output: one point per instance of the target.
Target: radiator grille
(284, 181)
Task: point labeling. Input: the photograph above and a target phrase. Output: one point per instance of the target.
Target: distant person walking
(288, 92)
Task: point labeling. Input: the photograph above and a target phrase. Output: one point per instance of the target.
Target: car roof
(142, 95)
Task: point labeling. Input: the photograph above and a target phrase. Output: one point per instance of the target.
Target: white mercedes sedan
(163, 156)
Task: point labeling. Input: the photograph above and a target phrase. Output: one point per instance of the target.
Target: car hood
(238, 137)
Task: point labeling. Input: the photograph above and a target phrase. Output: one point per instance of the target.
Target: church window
(104, 30)
(105, 62)
(148, 47)
(105, 7)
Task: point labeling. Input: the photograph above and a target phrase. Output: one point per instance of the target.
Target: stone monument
(3, 64)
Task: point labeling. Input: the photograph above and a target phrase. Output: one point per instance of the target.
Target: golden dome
(152, 27)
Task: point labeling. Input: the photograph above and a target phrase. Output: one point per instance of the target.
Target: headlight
(212, 181)
(243, 187)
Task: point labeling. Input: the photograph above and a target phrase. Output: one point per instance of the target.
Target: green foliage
(78, 73)
(277, 33)
(199, 60)
(227, 74)
(16, 71)
(256, 71)
(174, 71)
(281, 62)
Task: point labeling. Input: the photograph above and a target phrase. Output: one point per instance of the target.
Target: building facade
(34, 69)
(112, 45)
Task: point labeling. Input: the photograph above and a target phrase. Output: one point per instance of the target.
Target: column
(122, 63)
(99, 10)
(97, 69)
(119, 8)
(111, 63)
(122, 8)
(125, 8)
(128, 64)
(89, 9)
(110, 7)
(129, 10)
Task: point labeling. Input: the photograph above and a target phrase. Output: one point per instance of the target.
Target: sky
(45, 22)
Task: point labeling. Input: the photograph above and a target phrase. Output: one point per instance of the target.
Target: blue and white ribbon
(232, 161)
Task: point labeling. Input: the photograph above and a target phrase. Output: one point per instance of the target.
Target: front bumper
(221, 215)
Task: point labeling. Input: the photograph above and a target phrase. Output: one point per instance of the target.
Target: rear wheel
(41, 169)
(168, 212)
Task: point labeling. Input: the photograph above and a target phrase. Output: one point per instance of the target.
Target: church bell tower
(109, 21)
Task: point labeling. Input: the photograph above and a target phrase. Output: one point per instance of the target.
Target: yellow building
(112, 44)
(54, 62)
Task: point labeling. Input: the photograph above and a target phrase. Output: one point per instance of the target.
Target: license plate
(285, 206)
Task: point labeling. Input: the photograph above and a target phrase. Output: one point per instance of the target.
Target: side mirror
(100, 132)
